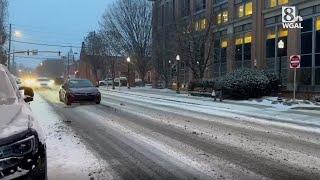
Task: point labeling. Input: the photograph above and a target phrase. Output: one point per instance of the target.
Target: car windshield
(7, 95)
(80, 83)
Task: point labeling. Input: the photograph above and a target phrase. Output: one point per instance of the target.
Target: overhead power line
(44, 44)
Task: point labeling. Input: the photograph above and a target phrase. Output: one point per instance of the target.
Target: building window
(244, 9)
(220, 55)
(201, 24)
(273, 54)
(305, 74)
(274, 3)
(248, 9)
(243, 50)
(222, 17)
(200, 5)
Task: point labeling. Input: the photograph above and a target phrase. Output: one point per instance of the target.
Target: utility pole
(9, 55)
(13, 69)
(68, 65)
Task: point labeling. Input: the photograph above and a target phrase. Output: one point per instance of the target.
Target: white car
(44, 82)
(106, 82)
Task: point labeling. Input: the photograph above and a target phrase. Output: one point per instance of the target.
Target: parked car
(106, 82)
(44, 82)
(78, 90)
(122, 80)
(22, 144)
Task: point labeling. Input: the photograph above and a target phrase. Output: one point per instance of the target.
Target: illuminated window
(281, 2)
(282, 32)
(225, 16)
(273, 3)
(244, 9)
(239, 41)
(240, 11)
(203, 24)
(219, 19)
(318, 24)
(224, 44)
(271, 34)
(248, 38)
(248, 9)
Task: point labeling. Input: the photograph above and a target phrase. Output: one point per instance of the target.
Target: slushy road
(140, 139)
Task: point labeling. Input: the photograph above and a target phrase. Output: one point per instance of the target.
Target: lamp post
(128, 78)
(178, 74)
(280, 53)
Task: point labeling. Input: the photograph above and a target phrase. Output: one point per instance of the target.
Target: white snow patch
(67, 156)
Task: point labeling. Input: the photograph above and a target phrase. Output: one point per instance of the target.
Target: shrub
(204, 85)
(244, 83)
(273, 82)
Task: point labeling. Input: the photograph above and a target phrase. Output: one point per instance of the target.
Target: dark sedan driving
(79, 90)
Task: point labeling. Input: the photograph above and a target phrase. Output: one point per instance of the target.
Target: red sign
(295, 61)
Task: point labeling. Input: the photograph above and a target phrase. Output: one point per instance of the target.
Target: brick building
(246, 34)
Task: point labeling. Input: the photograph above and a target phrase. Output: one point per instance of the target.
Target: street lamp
(280, 53)
(178, 74)
(128, 78)
(17, 34)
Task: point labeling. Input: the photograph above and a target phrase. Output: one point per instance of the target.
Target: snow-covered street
(149, 135)
(68, 157)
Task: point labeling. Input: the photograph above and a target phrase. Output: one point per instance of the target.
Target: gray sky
(62, 22)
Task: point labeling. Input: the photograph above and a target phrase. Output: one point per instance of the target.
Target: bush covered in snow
(201, 85)
(247, 83)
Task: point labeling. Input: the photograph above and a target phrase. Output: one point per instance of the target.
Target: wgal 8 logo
(290, 19)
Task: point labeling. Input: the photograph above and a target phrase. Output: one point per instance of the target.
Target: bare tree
(128, 24)
(195, 45)
(95, 51)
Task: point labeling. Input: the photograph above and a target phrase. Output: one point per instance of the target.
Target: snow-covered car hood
(15, 119)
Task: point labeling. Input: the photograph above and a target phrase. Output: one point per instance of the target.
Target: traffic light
(59, 53)
(28, 52)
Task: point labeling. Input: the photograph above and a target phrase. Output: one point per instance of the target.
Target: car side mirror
(28, 93)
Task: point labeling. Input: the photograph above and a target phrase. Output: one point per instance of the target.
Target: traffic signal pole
(9, 54)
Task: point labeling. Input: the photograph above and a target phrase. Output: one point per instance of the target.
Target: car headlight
(19, 148)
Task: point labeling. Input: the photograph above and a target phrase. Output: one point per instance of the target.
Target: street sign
(295, 62)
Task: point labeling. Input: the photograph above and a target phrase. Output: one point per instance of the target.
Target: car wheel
(41, 172)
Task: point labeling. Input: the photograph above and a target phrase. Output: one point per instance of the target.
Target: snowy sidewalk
(68, 158)
(264, 111)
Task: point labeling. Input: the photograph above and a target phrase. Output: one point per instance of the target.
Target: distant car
(79, 90)
(123, 81)
(106, 82)
(22, 144)
(44, 82)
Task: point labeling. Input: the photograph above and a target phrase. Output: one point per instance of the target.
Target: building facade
(245, 35)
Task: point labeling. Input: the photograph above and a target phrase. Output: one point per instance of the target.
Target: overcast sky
(62, 22)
